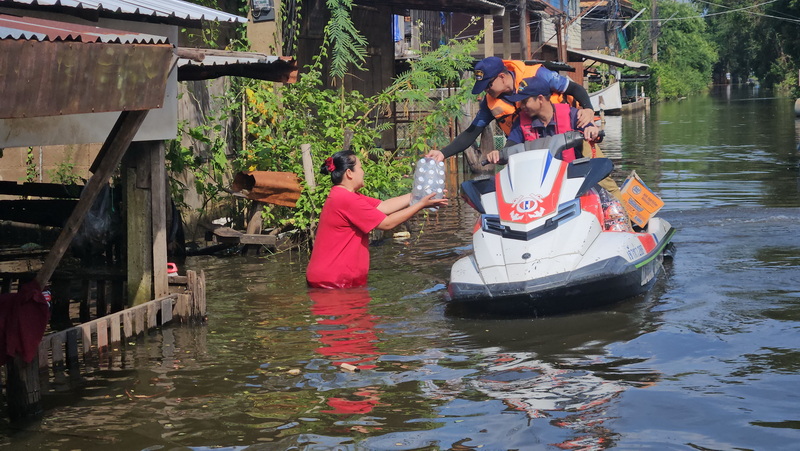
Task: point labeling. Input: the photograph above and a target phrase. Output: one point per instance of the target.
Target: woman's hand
(429, 201)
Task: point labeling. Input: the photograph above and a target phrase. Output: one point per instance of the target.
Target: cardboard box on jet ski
(639, 201)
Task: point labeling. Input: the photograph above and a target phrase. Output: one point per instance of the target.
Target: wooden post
(487, 143)
(507, 34)
(524, 31)
(158, 197)
(254, 223)
(488, 35)
(308, 165)
(23, 391)
(138, 217)
(654, 31)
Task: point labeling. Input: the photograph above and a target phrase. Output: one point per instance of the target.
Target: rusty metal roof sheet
(53, 68)
(203, 64)
(164, 9)
(33, 29)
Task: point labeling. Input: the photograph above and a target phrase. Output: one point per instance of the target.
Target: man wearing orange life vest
(499, 79)
(540, 118)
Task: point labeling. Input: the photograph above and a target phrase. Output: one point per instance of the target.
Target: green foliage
(281, 119)
(31, 170)
(758, 38)
(204, 159)
(686, 53)
(64, 173)
(347, 45)
(278, 119)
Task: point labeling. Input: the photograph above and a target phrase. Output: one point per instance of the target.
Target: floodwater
(709, 359)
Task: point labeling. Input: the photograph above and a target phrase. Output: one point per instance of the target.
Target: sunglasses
(491, 82)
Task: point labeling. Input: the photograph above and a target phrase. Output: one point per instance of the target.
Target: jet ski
(549, 240)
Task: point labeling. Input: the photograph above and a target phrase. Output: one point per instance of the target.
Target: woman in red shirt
(340, 258)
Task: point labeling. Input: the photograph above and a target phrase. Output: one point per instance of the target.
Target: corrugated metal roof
(202, 64)
(465, 6)
(154, 8)
(608, 59)
(33, 29)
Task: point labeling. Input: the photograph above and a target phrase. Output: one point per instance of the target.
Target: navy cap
(485, 72)
(530, 87)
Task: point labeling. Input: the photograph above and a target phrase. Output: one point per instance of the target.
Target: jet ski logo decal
(527, 206)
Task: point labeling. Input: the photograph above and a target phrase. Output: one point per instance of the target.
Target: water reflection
(346, 330)
(559, 369)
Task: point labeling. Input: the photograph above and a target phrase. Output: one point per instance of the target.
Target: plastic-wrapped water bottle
(428, 178)
(614, 214)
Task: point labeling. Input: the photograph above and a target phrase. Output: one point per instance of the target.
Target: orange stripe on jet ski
(648, 241)
(528, 209)
(477, 225)
(590, 203)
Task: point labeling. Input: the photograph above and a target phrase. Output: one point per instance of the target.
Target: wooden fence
(74, 350)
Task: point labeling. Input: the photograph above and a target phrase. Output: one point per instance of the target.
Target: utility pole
(654, 25)
(524, 30)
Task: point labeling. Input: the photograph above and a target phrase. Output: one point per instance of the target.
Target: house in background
(604, 23)
(66, 81)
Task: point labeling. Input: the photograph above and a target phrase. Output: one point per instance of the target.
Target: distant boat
(608, 99)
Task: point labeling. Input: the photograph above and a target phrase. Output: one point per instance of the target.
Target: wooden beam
(507, 34)
(488, 36)
(524, 30)
(308, 165)
(138, 220)
(158, 198)
(117, 143)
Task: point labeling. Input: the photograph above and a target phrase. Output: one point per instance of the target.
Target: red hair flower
(330, 164)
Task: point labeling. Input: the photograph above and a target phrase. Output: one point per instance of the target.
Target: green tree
(757, 37)
(686, 54)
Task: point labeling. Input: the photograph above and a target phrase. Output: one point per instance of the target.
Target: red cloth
(340, 258)
(23, 320)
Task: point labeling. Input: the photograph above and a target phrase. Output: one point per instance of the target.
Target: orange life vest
(505, 112)
(563, 124)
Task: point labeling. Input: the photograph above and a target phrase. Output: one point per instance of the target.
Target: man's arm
(463, 140)
(579, 94)
(586, 114)
(467, 137)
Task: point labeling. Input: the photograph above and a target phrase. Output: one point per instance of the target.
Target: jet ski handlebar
(555, 144)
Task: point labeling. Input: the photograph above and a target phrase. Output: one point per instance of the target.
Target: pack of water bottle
(428, 178)
(614, 215)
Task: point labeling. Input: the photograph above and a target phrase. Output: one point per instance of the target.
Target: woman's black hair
(338, 164)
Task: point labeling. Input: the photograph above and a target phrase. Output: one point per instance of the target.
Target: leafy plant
(64, 173)
(31, 170)
(280, 120)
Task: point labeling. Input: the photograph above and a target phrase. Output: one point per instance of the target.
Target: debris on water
(349, 367)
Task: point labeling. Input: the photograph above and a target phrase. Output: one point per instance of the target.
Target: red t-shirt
(340, 258)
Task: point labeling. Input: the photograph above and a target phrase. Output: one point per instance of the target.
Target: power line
(786, 16)
(702, 16)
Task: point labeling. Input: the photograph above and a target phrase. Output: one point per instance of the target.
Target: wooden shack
(63, 80)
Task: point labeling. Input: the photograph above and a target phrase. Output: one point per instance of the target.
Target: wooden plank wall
(73, 351)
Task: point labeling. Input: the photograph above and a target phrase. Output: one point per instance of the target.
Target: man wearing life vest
(499, 79)
(539, 117)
